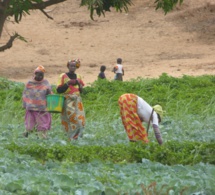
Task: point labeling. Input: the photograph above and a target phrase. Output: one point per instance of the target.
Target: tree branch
(9, 44)
(41, 6)
(45, 4)
(46, 14)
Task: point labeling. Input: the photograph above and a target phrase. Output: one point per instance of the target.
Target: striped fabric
(130, 119)
(34, 95)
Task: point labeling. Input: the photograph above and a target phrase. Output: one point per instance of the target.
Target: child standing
(102, 72)
(34, 101)
(118, 70)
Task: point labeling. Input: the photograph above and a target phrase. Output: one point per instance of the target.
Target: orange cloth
(130, 119)
(40, 68)
(73, 116)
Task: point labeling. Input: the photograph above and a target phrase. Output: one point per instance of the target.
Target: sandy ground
(149, 42)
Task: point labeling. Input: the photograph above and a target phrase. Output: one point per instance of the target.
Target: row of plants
(170, 153)
(104, 162)
(22, 175)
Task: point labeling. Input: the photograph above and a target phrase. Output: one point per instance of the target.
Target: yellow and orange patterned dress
(73, 115)
(130, 119)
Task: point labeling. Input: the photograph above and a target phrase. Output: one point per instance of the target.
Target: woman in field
(134, 110)
(72, 117)
(34, 101)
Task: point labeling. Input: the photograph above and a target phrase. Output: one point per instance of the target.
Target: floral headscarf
(77, 62)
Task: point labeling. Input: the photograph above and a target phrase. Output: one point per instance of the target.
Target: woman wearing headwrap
(72, 117)
(34, 101)
(134, 110)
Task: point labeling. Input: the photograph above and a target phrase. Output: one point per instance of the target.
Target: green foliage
(10, 92)
(101, 6)
(167, 5)
(103, 161)
(18, 8)
(172, 93)
(171, 153)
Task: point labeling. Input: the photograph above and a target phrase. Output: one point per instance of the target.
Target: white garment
(144, 111)
(119, 69)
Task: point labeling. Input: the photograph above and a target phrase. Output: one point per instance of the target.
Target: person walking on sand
(102, 72)
(118, 70)
(34, 102)
(73, 116)
(134, 110)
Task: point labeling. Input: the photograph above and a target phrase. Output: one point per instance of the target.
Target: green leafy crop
(104, 161)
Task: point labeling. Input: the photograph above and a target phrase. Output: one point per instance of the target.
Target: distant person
(34, 102)
(134, 110)
(73, 116)
(118, 70)
(102, 72)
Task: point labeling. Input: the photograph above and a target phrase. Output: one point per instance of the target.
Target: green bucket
(55, 103)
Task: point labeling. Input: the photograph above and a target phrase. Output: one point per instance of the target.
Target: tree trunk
(3, 15)
(2, 21)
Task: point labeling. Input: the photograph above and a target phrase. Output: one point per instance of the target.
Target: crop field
(104, 162)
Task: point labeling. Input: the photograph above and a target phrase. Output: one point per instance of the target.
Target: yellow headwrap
(158, 109)
(78, 63)
(40, 68)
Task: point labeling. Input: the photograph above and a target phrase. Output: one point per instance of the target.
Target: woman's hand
(80, 88)
(141, 119)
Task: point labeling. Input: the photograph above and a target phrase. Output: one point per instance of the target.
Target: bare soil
(149, 42)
